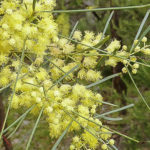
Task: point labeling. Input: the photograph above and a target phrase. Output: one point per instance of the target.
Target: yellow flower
(77, 35)
(144, 39)
(111, 142)
(90, 140)
(114, 45)
(104, 147)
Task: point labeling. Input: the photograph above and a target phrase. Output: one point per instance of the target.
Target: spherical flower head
(66, 102)
(146, 51)
(135, 42)
(15, 102)
(62, 42)
(68, 48)
(124, 70)
(124, 47)
(76, 139)
(134, 71)
(3, 59)
(5, 26)
(4, 81)
(105, 133)
(57, 93)
(82, 74)
(41, 75)
(112, 61)
(98, 97)
(65, 88)
(9, 11)
(18, 27)
(89, 62)
(93, 75)
(41, 89)
(137, 49)
(114, 45)
(78, 90)
(90, 140)
(5, 35)
(136, 66)
(12, 42)
(133, 58)
(97, 38)
(125, 62)
(98, 122)
(83, 110)
(89, 36)
(38, 100)
(93, 111)
(72, 147)
(104, 147)
(77, 35)
(111, 142)
(144, 39)
(49, 109)
(33, 94)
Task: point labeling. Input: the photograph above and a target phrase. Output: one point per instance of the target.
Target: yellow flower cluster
(20, 23)
(62, 104)
(66, 55)
(5, 76)
(121, 54)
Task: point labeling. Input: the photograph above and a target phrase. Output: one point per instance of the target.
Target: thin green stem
(96, 9)
(22, 116)
(35, 126)
(19, 124)
(138, 90)
(107, 23)
(13, 93)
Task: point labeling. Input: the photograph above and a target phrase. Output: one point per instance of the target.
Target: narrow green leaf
(73, 30)
(98, 9)
(15, 84)
(61, 137)
(115, 148)
(15, 122)
(112, 119)
(34, 128)
(140, 28)
(33, 5)
(107, 23)
(107, 103)
(19, 124)
(114, 111)
(32, 84)
(103, 80)
(138, 90)
(3, 88)
(147, 65)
